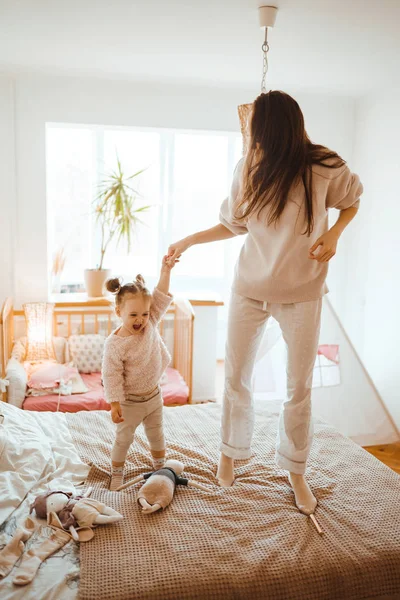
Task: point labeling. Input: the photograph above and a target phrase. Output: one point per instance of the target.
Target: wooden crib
(97, 317)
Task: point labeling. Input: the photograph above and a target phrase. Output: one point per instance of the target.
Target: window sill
(79, 299)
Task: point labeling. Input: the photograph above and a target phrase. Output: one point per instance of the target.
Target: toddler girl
(135, 357)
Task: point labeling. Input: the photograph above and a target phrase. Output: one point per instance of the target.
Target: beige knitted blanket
(249, 541)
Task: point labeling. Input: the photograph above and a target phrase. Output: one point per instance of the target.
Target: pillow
(75, 385)
(17, 377)
(78, 385)
(87, 351)
(64, 389)
(49, 374)
(60, 348)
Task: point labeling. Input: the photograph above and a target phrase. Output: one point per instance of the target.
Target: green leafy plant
(115, 209)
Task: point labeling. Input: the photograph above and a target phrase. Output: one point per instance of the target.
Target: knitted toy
(159, 488)
(76, 514)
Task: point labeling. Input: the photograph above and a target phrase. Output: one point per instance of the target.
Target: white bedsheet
(37, 454)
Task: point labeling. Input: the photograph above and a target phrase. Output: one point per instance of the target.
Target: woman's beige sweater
(273, 264)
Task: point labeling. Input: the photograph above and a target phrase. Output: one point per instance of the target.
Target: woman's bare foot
(225, 474)
(305, 499)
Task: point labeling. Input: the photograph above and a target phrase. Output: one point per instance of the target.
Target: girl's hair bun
(113, 285)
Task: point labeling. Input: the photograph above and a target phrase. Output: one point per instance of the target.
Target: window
(186, 176)
(70, 184)
(137, 150)
(200, 181)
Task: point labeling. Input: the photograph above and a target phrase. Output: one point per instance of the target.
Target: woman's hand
(328, 242)
(116, 412)
(176, 250)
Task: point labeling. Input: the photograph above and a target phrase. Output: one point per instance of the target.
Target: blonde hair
(119, 290)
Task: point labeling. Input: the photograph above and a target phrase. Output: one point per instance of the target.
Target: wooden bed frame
(92, 315)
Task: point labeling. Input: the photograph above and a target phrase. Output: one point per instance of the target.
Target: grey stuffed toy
(159, 488)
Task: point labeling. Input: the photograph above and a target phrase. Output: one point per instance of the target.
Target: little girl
(135, 357)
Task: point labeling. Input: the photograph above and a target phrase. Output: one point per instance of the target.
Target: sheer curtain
(186, 176)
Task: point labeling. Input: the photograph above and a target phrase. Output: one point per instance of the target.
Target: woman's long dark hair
(279, 155)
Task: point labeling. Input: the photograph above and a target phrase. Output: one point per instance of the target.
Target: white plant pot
(56, 284)
(95, 280)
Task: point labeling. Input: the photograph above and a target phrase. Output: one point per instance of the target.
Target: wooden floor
(388, 454)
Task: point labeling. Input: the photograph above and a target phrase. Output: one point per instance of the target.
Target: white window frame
(218, 284)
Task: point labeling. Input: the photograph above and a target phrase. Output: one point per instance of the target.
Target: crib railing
(87, 318)
(6, 337)
(85, 321)
(183, 341)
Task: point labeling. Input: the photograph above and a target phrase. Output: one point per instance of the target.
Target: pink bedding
(174, 390)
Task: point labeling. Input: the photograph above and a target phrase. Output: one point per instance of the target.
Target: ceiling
(345, 47)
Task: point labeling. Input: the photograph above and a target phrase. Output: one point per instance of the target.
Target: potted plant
(117, 218)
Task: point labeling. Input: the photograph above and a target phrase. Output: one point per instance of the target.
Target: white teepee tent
(344, 394)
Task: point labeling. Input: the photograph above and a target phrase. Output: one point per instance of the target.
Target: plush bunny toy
(74, 511)
(160, 485)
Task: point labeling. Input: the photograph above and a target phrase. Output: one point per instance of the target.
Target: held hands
(168, 263)
(176, 250)
(116, 412)
(327, 247)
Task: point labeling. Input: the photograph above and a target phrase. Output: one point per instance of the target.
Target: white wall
(371, 315)
(7, 187)
(41, 99)
(50, 99)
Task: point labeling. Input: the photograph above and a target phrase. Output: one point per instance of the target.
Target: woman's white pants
(300, 325)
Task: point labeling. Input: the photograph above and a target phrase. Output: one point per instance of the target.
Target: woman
(281, 192)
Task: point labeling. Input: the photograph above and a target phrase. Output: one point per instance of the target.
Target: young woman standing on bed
(281, 192)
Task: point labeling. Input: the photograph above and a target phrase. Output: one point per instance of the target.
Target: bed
(37, 453)
(248, 541)
(175, 392)
(92, 318)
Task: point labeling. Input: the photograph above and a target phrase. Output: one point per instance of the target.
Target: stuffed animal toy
(159, 488)
(74, 513)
